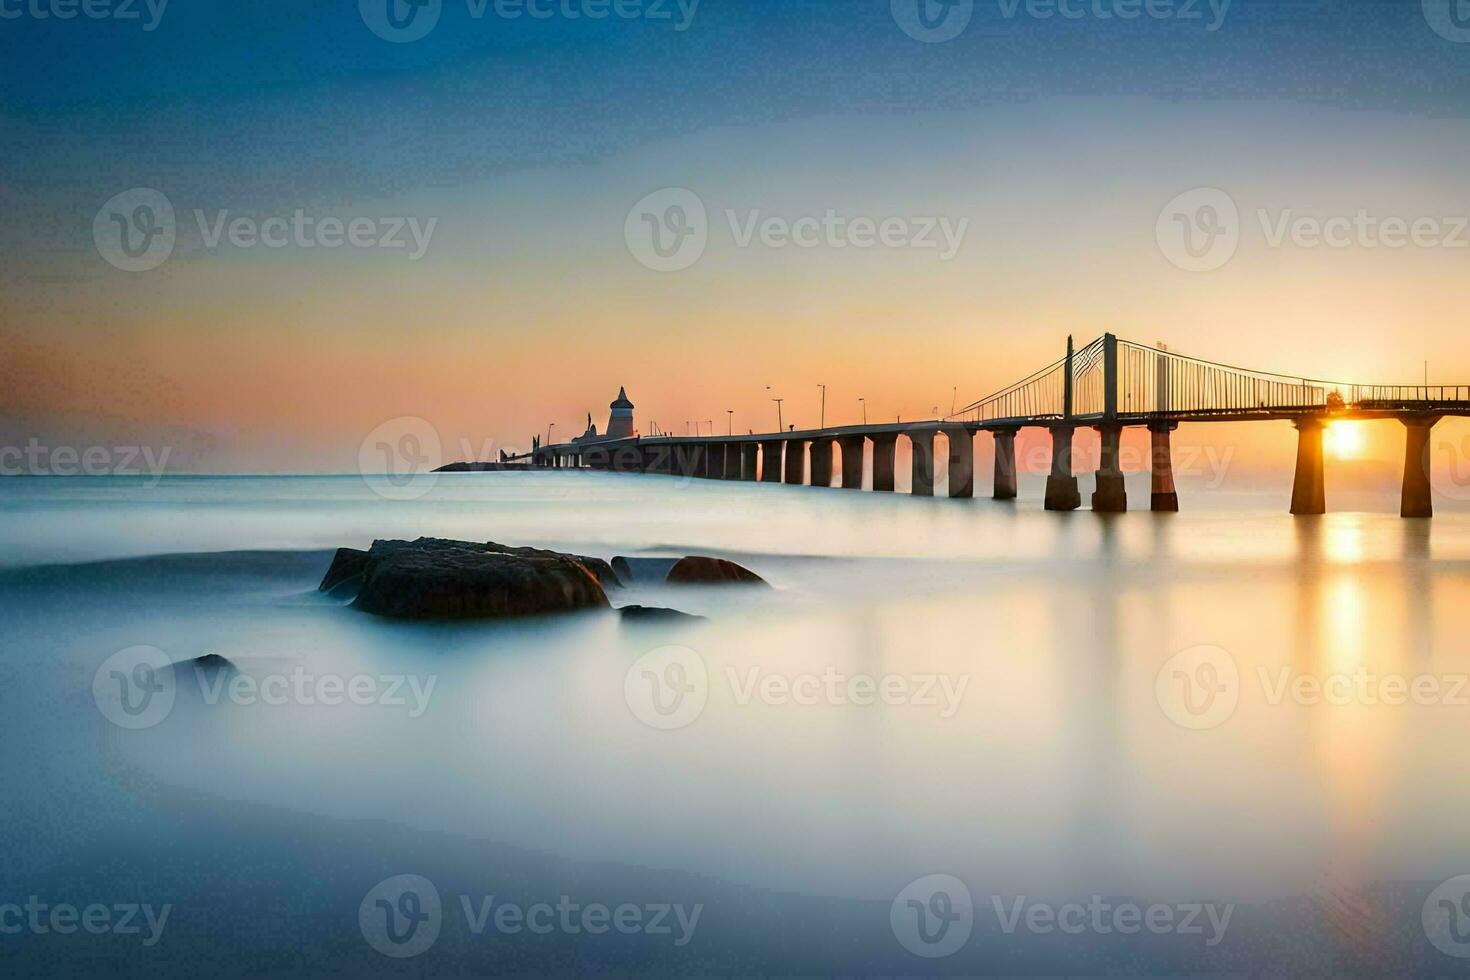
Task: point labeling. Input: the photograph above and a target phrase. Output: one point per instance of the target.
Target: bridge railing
(1407, 395)
(1040, 395)
(1156, 381)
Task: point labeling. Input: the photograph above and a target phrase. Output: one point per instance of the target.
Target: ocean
(954, 737)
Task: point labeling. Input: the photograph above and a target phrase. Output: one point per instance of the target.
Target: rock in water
(435, 579)
(698, 570)
(643, 613)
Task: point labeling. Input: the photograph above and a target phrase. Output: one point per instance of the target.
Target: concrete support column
(822, 462)
(732, 460)
(1308, 493)
(1164, 498)
(1110, 496)
(852, 462)
(1005, 464)
(796, 461)
(714, 461)
(1061, 483)
(883, 453)
(749, 453)
(961, 462)
(922, 465)
(771, 461)
(1417, 500)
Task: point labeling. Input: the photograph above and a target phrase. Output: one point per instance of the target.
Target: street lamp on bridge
(864, 402)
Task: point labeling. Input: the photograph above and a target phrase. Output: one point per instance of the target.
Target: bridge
(1108, 385)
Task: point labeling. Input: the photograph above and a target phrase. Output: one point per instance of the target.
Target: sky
(910, 202)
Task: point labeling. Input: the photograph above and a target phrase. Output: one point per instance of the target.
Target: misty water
(1037, 738)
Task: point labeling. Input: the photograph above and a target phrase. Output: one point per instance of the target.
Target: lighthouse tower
(620, 423)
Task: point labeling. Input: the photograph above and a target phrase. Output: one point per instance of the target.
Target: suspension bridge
(1108, 385)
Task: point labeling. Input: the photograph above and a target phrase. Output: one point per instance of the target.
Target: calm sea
(955, 737)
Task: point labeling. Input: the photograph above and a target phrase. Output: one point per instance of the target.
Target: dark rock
(436, 579)
(699, 570)
(643, 613)
(347, 564)
(643, 569)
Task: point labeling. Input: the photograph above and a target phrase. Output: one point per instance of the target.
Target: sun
(1346, 440)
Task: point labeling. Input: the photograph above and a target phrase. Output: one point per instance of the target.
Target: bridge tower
(1061, 483)
(1110, 497)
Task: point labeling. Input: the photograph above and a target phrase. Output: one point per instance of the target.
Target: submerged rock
(208, 663)
(432, 578)
(699, 570)
(643, 613)
(643, 569)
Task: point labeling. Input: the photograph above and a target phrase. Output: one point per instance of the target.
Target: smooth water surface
(1206, 707)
